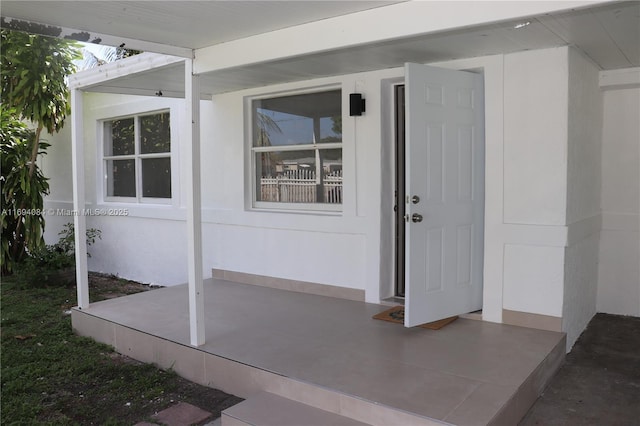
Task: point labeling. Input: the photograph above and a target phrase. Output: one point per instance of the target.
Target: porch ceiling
(609, 34)
(186, 24)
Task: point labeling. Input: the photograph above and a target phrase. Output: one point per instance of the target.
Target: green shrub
(67, 241)
(45, 267)
(53, 265)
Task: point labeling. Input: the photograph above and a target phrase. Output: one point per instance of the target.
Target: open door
(444, 184)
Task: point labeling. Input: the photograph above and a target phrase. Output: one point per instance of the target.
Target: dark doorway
(399, 202)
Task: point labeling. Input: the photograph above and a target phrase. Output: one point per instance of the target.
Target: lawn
(51, 376)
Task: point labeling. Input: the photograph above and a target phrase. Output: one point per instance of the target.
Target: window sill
(316, 209)
(133, 201)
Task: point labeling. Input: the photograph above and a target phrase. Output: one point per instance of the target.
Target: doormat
(396, 315)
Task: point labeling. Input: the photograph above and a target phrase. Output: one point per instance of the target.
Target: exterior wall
(56, 165)
(535, 182)
(315, 247)
(553, 111)
(619, 270)
(583, 195)
(149, 244)
(535, 137)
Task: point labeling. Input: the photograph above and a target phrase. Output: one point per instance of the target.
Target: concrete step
(267, 409)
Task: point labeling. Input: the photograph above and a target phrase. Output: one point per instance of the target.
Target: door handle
(416, 218)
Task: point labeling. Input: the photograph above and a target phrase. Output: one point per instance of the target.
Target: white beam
(79, 220)
(194, 211)
(144, 62)
(397, 21)
(140, 91)
(620, 79)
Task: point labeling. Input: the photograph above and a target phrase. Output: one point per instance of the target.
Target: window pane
(298, 120)
(305, 176)
(121, 178)
(156, 177)
(119, 137)
(155, 133)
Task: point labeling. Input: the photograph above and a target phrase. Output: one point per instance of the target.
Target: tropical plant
(34, 72)
(33, 88)
(22, 194)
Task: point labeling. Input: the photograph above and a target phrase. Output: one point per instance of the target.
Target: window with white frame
(297, 151)
(137, 158)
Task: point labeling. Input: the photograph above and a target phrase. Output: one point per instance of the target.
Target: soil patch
(108, 286)
(599, 383)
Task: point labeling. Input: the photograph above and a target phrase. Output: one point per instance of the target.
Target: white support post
(194, 213)
(79, 220)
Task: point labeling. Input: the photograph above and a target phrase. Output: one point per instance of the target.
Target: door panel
(445, 170)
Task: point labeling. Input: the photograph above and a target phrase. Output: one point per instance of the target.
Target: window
(137, 158)
(297, 151)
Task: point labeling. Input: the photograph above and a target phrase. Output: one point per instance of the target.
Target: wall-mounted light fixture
(357, 105)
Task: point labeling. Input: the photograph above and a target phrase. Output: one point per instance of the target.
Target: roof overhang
(607, 32)
(146, 74)
(170, 27)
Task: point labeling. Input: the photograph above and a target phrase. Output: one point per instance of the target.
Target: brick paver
(180, 414)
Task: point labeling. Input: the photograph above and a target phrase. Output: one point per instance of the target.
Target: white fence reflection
(301, 186)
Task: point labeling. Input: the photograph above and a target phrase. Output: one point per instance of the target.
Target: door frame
(495, 235)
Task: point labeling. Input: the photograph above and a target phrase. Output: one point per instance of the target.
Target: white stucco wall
(553, 111)
(535, 137)
(318, 247)
(583, 219)
(619, 267)
(535, 180)
(149, 244)
(56, 165)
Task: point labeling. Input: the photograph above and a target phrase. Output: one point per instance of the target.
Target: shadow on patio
(329, 353)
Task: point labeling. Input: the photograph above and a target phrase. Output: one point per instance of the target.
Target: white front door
(444, 193)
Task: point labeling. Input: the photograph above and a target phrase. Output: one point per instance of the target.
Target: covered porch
(327, 352)
(219, 68)
(330, 354)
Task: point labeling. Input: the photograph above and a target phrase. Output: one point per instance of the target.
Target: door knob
(416, 218)
(415, 199)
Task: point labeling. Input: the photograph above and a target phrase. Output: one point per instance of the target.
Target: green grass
(51, 376)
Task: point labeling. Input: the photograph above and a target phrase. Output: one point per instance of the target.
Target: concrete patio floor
(329, 353)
